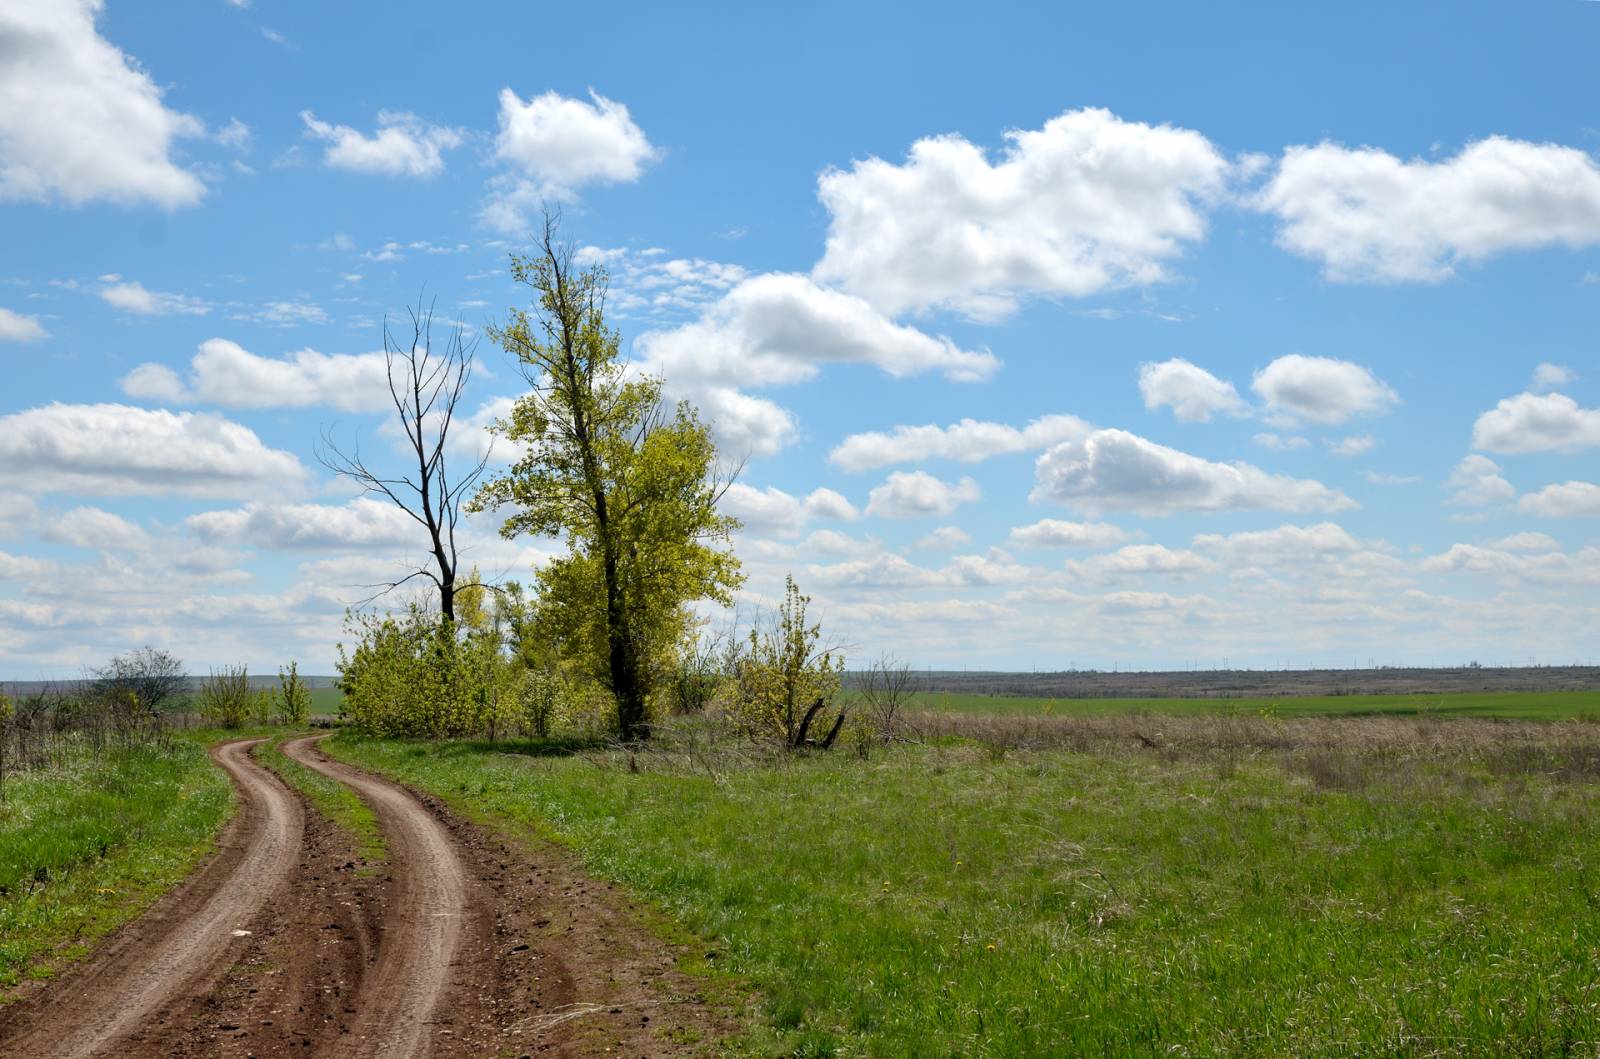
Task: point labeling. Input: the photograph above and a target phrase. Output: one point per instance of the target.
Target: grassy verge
(89, 845)
(1521, 705)
(1338, 888)
(329, 797)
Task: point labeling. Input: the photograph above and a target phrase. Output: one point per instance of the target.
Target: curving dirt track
(428, 911)
(286, 943)
(185, 942)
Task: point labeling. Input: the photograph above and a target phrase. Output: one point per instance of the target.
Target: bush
(225, 698)
(294, 698)
(785, 683)
(414, 674)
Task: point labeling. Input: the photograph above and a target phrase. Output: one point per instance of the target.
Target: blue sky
(1137, 335)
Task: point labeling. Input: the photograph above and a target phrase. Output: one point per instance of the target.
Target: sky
(1049, 336)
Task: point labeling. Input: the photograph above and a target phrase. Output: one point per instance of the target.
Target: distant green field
(1521, 705)
(325, 702)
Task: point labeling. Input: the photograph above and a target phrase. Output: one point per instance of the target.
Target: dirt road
(461, 943)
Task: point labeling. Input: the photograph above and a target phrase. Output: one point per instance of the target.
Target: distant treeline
(1240, 683)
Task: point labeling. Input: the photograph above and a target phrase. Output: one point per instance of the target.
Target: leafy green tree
(294, 698)
(628, 481)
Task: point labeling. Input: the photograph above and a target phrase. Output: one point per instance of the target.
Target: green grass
(326, 702)
(331, 798)
(86, 847)
(1523, 705)
(1331, 898)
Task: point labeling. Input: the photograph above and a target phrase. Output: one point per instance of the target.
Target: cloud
(779, 329)
(80, 121)
(1118, 471)
(1285, 545)
(1086, 203)
(1378, 478)
(1054, 533)
(969, 441)
(91, 527)
(364, 523)
(945, 538)
(1369, 216)
(1551, 422)
(771, 510)
(1477, 483)
(1321, 389)
(1563, 500)
(551, 147)
(404, 145)
(1581, 568)
(1355, 445)
(134, 298)
(225, 373)
(236, 134)
(15, 327)
(1278, 442)
(283, 314)
(1193, 394)
(117, 450)
(917, 494)
(1526, 542)
(1139, 559)
(1549, 376)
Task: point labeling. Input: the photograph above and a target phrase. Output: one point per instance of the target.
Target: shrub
(414, 674)
(785, 683)
(294, 698)
(225, 698)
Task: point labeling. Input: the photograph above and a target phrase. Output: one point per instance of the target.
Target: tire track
(185, 942)
(427, 910)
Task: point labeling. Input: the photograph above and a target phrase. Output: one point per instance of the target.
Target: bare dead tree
(425, 386)
(887, 687)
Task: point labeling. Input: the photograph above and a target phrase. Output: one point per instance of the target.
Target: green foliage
(628, 482)
(294, 698)
(409, 675)
(225, 697)
(786, 682)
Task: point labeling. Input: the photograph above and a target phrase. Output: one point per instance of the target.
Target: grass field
(332, 799)
(87, 846)
(1526, 705)
(1223, 885)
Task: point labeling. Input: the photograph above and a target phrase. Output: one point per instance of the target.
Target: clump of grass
(329, 797)
(1104, 887)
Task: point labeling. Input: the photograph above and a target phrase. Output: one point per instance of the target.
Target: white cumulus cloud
(1056, 533)
(118, 450)
(403, 145)
(552, 146)
(771, 510)
(917, 494)
(1321, 389)
(969, 441)
(363, 523)
(1367, 215)
(225, 373)
(15, 327)
(1117, 471)
(1086, 203)
(1563, 500)
(1528, 422)
(1476, 482)
(80, 121)
(131, 296)
(778, 329)
(1194, 394)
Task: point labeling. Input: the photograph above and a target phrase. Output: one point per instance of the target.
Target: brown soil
(462, 944)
